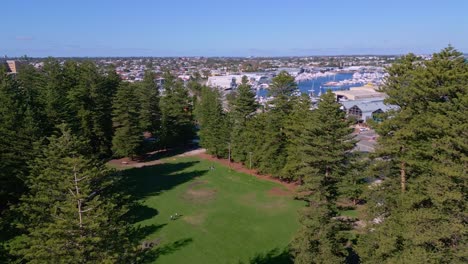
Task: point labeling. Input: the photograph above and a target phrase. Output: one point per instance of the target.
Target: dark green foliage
(252, 138)
(78, 94)
(214, 133)
(423, 198)
(90, 104)
(68, 216)
(54, 92)
(16, 137)
(177, 126)
(128, 136)
(150, 114)
(353, 184)
(318, 240)
(273, 148)
(295, 128)
(325, 156)
(19, 129)
(283, 85)
(242, 107)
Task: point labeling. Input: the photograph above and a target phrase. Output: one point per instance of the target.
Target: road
(366, 140)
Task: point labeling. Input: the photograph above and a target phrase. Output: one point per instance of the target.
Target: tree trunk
(403, 176)
(77, 190)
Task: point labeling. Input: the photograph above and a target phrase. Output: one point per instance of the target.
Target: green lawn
(350, 213)
(227, 217)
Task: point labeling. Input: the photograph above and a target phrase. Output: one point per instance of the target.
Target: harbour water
(317, 85)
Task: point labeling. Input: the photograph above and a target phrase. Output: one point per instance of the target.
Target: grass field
(227, 217)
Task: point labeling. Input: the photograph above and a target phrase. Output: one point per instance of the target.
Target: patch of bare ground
(197, 183)
(199, 195)
(277, 191)
(275, 206)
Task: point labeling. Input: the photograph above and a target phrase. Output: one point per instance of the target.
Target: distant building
(363, 103)
(364, 110)
(228, 82)
(360, 93)
(12, 66)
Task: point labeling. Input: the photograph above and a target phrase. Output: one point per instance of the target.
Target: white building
(228, 81)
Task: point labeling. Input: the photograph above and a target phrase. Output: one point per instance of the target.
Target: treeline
(58, 126)
(416, 215)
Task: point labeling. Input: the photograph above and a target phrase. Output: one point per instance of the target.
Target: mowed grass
(227, 217)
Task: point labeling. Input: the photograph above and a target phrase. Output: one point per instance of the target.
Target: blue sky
(230, 28)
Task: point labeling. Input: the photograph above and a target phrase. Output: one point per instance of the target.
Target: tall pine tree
(295, 127)
(68, 216)
(177, 126)
(325, 149)
(128, 134)
(242, 108)
(422, 205)
(213, 121)
(273, 149)
(150, 114)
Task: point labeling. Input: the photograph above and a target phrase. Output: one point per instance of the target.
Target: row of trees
(289, 141)
(58, 125)
(418, 213)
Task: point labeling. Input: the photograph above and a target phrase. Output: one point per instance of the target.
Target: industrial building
(364, 110)
(363, 103)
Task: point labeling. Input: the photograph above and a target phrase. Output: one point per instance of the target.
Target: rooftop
(360, 93)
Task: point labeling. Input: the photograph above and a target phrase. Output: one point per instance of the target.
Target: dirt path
(127, 163)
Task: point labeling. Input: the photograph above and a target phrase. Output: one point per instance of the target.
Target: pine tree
(214, 133)
(102, 97)
(21, 126)
(15, 144)
(68, 216)
(128, 135)
(242, 108)
(273, 150)
(422, 201)
(150, 116)
(177, 127)
(325, 156)
(353, 184)
(253, 137)
(30, 82)
(90, 104)
(295, 127)
(54, 94)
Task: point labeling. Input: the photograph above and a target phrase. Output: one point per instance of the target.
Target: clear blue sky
(230, 28)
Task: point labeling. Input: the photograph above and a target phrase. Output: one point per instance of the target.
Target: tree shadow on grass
(139, 212)
(153, 254)
(152, 180)
(274, 256)
(138, 183)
